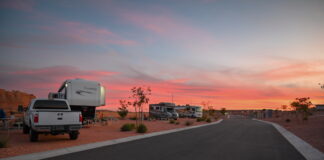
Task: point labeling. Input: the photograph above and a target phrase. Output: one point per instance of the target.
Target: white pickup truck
(51, 116)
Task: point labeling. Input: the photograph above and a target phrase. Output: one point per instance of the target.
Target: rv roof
(73, 80)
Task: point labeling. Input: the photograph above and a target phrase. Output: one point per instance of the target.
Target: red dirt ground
(19, 143)
(311, 131)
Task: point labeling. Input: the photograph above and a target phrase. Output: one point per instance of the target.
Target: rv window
(50, 104)
(158, 108)
(169, 109)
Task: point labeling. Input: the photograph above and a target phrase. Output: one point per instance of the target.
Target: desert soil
(311, 131)
(19, 143)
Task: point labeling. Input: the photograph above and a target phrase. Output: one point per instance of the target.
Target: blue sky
(225, 47)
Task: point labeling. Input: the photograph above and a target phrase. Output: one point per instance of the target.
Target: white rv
(189, 111)
(163, 110)
(82, 95)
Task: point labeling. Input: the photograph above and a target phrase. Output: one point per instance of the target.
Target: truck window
(50, 104)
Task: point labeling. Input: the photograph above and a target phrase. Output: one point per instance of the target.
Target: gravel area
(19, 143)
(311, 131)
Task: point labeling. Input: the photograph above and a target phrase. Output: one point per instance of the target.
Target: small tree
(20, 108)
(122, 110)
(302, 105)
(223, 111)
(205, 104)
(211, 110)
(284, 107)
(140, 98)
(321, 85)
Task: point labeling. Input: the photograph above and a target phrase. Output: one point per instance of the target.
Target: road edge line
(307, 150)
(84, 147)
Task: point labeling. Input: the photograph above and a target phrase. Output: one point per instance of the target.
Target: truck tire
(33, 135)
(74, 135)
(25, 129)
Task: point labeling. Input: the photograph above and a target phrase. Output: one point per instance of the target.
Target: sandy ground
(311, 131)
(19, 143)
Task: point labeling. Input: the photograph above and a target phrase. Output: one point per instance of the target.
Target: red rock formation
(9, 100)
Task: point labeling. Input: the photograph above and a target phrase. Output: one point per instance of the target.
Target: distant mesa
(10, 100)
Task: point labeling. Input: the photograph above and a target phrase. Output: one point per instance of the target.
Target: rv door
(102, 96)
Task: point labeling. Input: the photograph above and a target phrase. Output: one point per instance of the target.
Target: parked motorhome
(319, 107)
(163, 110)
(82, 95)
(189, 111)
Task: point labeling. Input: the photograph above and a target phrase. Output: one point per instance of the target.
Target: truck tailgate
(58, 118)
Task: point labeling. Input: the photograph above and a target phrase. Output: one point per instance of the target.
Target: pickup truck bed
(57, 121)
(51, 117)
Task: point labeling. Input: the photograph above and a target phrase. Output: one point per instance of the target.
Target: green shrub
(208, 120)
(171, 121)
(127, 127)
(188, 123)
(122, 110)
(287, 120)
(199, 119)
(4, 141)
(132, 126)
(141, 128)
(133, 118)
(122, 113)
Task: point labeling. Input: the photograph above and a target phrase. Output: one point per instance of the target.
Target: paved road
(232, 139)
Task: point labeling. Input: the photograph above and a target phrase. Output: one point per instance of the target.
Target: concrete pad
(58, 152)
(307, 150)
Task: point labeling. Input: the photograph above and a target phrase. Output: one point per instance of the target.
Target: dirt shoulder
(19, 143)
(311, 131)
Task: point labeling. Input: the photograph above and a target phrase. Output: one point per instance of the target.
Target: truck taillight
(36, 118)
(80, 118)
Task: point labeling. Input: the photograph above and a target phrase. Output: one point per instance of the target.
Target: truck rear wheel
(33, 135)
(74, 135)
(25, 129)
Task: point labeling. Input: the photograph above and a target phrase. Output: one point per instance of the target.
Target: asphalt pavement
(232, 139)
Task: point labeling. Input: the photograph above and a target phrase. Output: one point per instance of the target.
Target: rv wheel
(33, 135)
(25, 129)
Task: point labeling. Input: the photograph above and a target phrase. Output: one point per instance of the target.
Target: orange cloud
(181, 90)
(293, 71)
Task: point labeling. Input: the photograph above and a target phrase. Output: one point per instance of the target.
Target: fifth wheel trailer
(82, 95)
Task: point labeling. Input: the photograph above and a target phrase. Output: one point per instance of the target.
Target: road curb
(307, 150)
(59, 152)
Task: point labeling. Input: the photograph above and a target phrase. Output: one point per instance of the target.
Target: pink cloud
(172, 28)
(77, 32)
(41, 81)
(184, 91)
(294, 71)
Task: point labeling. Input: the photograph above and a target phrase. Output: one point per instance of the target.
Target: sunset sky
(250, 54)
